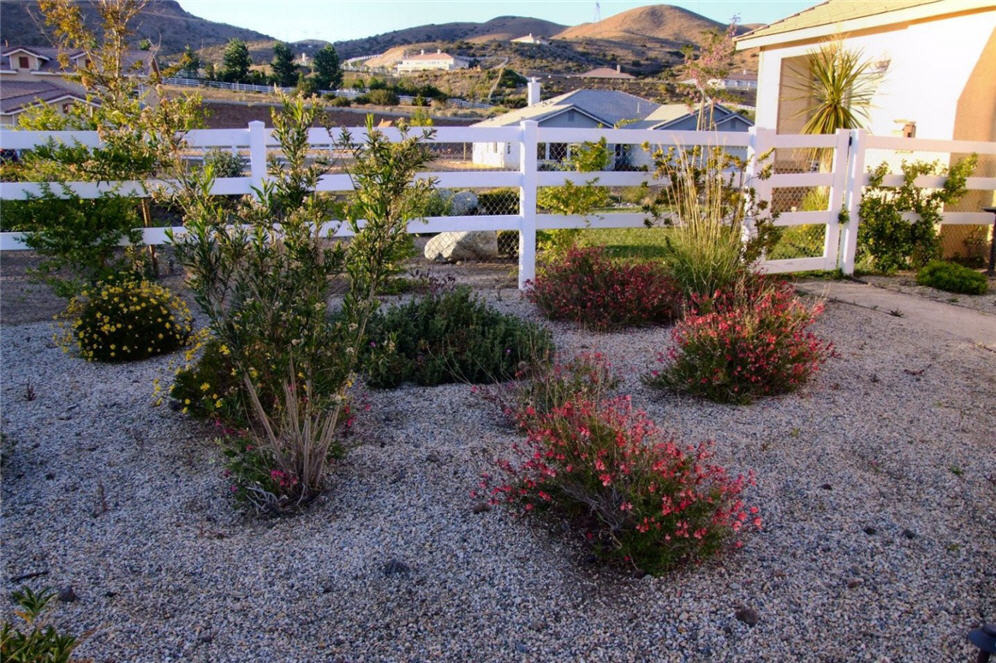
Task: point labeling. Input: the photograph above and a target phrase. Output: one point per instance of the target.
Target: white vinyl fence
(853, 152)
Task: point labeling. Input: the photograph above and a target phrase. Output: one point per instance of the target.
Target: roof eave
(926, 11)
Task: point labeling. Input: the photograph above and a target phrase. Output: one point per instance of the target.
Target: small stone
(521, 648)
(67, 595)
(433, 457)
(537, 625)
(870, 530)
(748, 616)
(481, 507)
(909, 534)
(206, 638)
(854, 582)
(874, 378)
(396, 567)
(826, 486)
(49, 476)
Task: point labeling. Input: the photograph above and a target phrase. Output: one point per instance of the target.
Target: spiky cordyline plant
(838, 86)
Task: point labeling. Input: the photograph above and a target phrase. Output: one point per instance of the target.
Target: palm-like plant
(837, 86)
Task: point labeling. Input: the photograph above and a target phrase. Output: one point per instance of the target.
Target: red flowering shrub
(743, 344)
(585, 286)
(640, 496)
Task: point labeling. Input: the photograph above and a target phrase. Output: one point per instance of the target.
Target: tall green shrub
(898, 225)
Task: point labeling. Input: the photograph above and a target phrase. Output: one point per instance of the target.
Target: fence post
(527, 203)
(855, 184)
(758, 142)
(257, 154)
(838, 193)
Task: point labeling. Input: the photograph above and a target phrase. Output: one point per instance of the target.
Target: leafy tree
(235, 62)
(140, 129)
(190, 63)
(284, 69)
(328, 72)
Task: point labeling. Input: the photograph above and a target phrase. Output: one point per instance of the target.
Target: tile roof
(18, 95)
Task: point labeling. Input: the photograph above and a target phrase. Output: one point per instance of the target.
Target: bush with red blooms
(586, 287)
(742, 344)
(640, 497)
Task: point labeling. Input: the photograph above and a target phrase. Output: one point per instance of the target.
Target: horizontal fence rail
(520, 168)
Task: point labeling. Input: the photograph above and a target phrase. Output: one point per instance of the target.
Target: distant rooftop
(605, 106)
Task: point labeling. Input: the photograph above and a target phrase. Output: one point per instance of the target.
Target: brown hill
(502, 28)
(657, 22)
(163, 22)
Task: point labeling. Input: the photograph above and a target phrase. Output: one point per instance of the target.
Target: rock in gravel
(748, 616)
(450, 246)
(67, 595)
(396, 567)
(481, 507)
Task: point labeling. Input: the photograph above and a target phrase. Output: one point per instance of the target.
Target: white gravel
(877, 483)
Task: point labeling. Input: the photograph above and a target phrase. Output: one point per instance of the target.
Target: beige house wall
(939, 74)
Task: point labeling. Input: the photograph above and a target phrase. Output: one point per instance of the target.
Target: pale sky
(337, 20)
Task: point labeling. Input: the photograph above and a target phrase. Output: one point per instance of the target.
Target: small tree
(284, 69)
(190, 63)
(713, 62)
(837, 87)
(235, 62)
(328, 72)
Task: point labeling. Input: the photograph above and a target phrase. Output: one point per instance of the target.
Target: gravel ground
(877, 483)
(905, 283)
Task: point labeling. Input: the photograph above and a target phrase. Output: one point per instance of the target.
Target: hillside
(664, 23)
(163, 22)
(502, 28)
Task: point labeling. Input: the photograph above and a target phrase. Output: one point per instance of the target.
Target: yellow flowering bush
(125, 321)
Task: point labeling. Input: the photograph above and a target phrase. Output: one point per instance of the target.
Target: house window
(23, 62)
(66, 106)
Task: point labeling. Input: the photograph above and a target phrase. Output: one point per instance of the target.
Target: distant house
(606, 72)
(530, 39)
(935, 64)
(31, 75)
(438, 60)
(592, 109)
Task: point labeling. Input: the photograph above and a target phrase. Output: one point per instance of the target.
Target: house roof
(428, 56)
(50, 57)
(606, 72)
(605, 106)
(669, 114)
(835, 16)
(15, 96)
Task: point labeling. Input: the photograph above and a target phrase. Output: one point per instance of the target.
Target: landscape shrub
(952, 277)
(382, 98)
(210, 388)
(744, 343)
(263, 273)
(449, 337)
(706, 251)
(639, 496)
(499, 202)
(586, 287)
(886, 235)
(40, 641)
(337, 102)
(125, 321)
(224, 163)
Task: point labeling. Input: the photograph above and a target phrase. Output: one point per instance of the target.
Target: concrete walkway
(966, 324)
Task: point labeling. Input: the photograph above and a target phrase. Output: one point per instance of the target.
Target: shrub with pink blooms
(640, 497)
(586, 287)
(742, 344)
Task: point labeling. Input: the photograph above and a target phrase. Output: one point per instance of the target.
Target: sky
(337, 20)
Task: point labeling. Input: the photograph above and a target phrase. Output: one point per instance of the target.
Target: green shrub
(885, 235)
(499, 202)
(211, 387)
(126, 321)
(953, 277)
(40, 642)
(449, 337)
(77, 239)
(224, 163)
(337, 102)
(382, 98)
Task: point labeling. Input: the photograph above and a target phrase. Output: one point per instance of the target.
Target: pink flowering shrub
(743, 344)
(639, 496)
(586, 287)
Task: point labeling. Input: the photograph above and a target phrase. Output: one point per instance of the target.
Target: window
(23, 62)
(66, 106)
